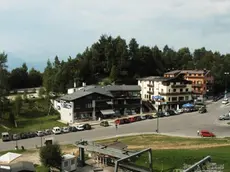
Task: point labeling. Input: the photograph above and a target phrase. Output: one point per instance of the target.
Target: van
(56, 130)
(5, 137)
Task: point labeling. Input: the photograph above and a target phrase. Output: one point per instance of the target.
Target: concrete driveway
(181, 125)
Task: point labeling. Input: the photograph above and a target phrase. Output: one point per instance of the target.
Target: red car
(205, 133)
(132, 119)
(119, 121)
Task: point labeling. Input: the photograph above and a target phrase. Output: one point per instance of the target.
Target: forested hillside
(116, 60)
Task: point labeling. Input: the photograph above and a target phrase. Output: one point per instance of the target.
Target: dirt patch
(173, 146)
(33, 156)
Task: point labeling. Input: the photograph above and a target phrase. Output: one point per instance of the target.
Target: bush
(51, 156)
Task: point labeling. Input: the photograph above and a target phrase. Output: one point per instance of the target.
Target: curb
(143, 133)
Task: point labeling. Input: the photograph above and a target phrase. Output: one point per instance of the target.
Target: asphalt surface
(181, 125)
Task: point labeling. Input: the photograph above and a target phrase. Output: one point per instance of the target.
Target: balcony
(174, 93)
(197, 85)
(150, 85)
(179, 86)
(150, 92)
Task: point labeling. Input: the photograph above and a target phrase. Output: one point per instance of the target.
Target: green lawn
(34, 116)
(179, 150)
(168, 160)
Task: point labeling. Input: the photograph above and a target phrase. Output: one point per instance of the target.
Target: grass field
(34, 116)
(170, 153)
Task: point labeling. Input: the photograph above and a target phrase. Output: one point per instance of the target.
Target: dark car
(87, 126)
(72, 129)
(171, 112)
(23, 135)
(137, 118)
(148, 116)
(104, 123)
(126, 121)
(31, 134)
(160, 114)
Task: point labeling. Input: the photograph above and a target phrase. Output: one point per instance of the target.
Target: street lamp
(225, 94)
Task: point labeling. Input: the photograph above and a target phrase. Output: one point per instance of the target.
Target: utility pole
(225, 93)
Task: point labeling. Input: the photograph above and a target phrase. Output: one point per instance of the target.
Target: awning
(107, 112)
(109, 103)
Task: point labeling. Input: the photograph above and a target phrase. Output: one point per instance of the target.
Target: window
(169, 99)
(88, 105)
(169, 90)
(66, 163)
(72, 161)
(181, 90)
(186, 89)
(162, 90)
(186, 97)
(174, 90)
(174, 98)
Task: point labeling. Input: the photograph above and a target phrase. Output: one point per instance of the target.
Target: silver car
(224, 117)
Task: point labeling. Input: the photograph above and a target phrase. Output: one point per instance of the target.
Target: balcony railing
(179, 86)
(150, 85)
(150, 92)
(197, 85)
(174, 93)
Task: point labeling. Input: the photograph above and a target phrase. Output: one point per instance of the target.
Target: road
(181, 125)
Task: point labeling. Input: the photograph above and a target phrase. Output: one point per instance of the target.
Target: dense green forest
(115, 60)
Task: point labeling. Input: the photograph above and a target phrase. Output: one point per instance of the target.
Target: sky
(34, 31)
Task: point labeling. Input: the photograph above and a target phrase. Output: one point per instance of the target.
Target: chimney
(74, 84)
(83, 84)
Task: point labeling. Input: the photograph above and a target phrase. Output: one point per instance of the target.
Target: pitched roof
(106, 90)
(187, 71)
(149, 78)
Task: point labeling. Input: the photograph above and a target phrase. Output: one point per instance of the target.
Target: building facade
(166, 93)
(94, 102)
(202, 80)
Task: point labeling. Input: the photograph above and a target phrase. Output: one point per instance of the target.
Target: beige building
(166, 93)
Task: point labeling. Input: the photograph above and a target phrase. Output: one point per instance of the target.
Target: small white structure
(9, 157)
(69, 163)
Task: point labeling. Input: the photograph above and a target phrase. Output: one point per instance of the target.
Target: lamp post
(225, 93)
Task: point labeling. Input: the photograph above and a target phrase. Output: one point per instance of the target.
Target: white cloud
(67, 27)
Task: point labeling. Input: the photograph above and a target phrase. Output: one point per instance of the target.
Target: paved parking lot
(181, 125)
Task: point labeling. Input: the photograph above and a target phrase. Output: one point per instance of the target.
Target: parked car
(6, 136)
(148, 116)
(137, 118)
(87, 126)
(40, 133)
(143, 117)
(202, 110)
(225, 101)
(224, 117)
(171, 112)
(119, 121)
(131, 119)
(65, 130)
(104, 123)
(31, 134)
(48, 132)
(56, 130)
(160, 114)
(179, 111)
(23, 135)
(80, 128)
(126, 121)
(166, 114)
(73, 129)
(205, 133)
(15, 137)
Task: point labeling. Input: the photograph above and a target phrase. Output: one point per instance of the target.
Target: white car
(65, 129)
(80, 127)
(40, 133)
(56, 130)
(225, 101)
